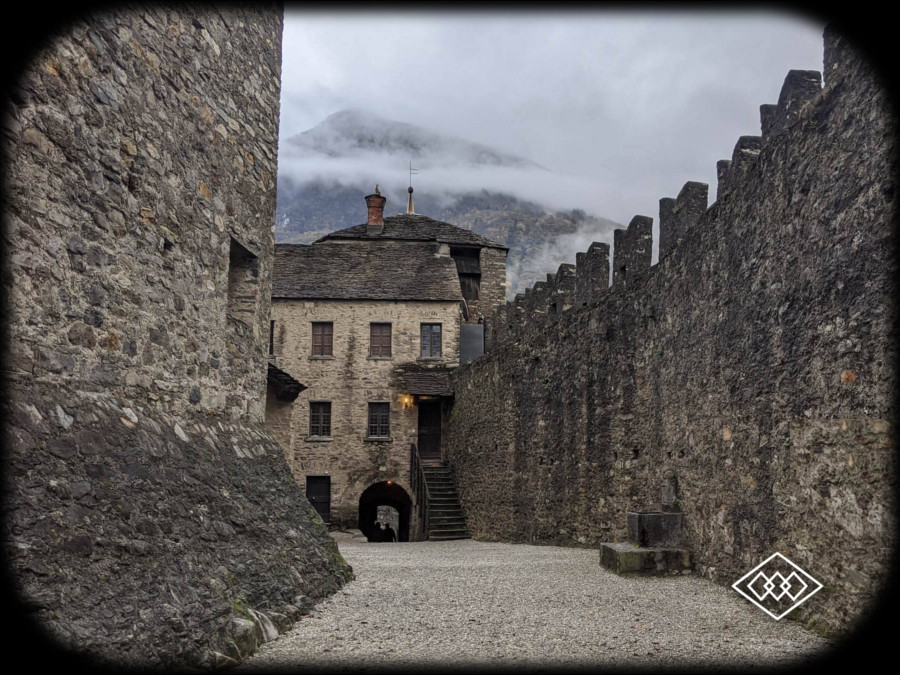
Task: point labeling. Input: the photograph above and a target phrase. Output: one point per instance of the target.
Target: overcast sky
(631, 105)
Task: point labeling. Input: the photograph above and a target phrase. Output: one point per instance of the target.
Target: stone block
(625, 558)
(654, 528)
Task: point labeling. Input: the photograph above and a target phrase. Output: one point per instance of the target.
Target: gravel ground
(466, 602)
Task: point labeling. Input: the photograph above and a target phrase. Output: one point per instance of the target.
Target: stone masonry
(748, 377)
(149, 518)
(349, 381)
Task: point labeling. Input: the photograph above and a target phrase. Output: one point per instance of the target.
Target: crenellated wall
(148, 516)
(751, 371)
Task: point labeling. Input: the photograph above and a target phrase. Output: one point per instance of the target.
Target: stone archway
(385, 493)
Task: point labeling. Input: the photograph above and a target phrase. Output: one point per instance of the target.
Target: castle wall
(349, 381)
(750, 372)
(147, 504)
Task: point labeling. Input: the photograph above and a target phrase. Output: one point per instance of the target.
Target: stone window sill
(321, 358)
(318, 439)
(380, 358)
(378, 439)
(430, 358)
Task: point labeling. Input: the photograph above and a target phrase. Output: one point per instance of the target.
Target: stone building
(372, 319)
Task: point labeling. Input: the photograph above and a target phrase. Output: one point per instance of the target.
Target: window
(320, 419)
(468, 266)
(243, 283)
(431, 340)
(322, 338)
(379, 419)
(271, 337)
(379, 339)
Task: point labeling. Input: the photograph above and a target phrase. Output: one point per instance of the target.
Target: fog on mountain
(325, 171)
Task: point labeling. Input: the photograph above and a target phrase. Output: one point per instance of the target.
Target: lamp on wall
(406, 400)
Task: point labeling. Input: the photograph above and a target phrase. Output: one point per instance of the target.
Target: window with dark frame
(431, 340)
(379, 339)
(322, 333)
(320, 419)
(271, 337)
(379, 419)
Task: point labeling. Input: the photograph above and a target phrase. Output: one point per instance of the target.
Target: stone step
(449, 538)
(448, 532)
(626, 558)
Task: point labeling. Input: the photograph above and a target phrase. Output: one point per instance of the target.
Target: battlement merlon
(768, 116)
(666, 225)
(598, 265)
(689, 206)
(632, 249)
(800, 87)
(582, 278)
(537, 300)
(746, 152)
(722, 168)
(564, 287)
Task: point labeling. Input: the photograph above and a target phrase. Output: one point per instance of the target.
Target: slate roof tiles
(415, 227)
(382, 270)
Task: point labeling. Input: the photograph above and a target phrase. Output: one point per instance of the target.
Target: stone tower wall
(148, 515)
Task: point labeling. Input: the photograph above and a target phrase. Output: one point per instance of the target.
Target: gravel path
(460, 602)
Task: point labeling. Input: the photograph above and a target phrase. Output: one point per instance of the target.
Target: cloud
(631, 105)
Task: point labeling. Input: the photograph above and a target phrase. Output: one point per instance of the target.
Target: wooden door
(318, 492)
(430, 430)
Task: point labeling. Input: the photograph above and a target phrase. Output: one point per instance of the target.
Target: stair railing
(419, 485)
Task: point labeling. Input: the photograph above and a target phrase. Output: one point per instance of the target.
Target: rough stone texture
(350, 380)
(140, 144)
(654, 528)
(137, 536)
(493, 284)
(751, 372)
(628, 558)
(145, 504)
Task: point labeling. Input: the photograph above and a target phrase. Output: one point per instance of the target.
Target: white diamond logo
(775, 578)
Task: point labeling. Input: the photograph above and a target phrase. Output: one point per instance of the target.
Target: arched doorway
(385, 493)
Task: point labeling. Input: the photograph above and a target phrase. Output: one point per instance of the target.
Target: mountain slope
(355, 133)
(325, 172)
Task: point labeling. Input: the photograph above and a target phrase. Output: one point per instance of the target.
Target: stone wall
(493, 284)
(751, 371)
(148, 515)
(350, 380)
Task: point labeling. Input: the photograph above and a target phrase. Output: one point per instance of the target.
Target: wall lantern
(406, 400)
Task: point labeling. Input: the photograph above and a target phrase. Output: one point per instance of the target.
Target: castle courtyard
(464, 601)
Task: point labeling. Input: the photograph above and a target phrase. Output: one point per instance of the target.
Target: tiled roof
(414, 227)
(386, 270)
(427, 384)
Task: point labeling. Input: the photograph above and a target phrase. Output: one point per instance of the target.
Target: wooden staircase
(445, 516)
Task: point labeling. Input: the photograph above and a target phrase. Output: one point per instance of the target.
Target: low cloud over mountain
(325, 172)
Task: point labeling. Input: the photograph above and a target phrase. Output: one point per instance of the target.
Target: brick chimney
(375, 203)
